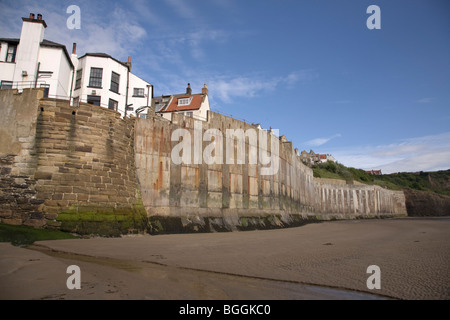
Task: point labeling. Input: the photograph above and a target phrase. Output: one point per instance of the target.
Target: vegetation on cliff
(426, 193)
(437, 182)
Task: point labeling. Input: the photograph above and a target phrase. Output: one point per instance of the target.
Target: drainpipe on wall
(74, 51)
(37, 75)
(71, 87)
(128, 63)
(148, 93)
(126, 95)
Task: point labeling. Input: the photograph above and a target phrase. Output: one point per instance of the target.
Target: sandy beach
(325, 260)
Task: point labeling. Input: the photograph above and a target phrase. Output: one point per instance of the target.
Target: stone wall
(79, 164)
(19, 203)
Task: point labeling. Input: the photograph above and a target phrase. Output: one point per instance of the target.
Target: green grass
(23, 235)
(324, 174)
(437, 182)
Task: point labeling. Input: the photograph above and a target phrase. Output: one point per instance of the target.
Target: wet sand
(318, 261)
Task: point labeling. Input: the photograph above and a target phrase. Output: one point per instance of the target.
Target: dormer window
(184, 101)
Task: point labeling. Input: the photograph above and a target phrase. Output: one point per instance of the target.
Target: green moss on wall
(111, 222)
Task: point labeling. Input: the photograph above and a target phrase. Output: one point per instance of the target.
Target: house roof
(374, 171)
(104, 55)
(44, 43)
(195, 104)
(9, 40)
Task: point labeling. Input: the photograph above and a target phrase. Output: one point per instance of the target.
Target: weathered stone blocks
(64, 157)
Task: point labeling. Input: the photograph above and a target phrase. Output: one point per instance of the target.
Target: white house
(311, 158)
(188, 104)
(32, 62)
(105, 81)
(326, 157)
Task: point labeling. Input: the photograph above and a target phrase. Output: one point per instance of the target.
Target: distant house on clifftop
(311, 158)
(188, 104)
(374, 172)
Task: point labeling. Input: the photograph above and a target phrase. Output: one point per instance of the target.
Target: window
(78, 79)
(190, 114)
(184, 101)
(6, 85)
(11, 54)
(96, 78)
(46, 90)
(76, 102)
(94, 100)
(113, 104)
(138, 92)
(115, 78)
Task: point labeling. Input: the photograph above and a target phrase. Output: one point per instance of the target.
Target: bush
(437, 182)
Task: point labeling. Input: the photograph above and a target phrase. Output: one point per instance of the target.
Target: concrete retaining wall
(236, 196)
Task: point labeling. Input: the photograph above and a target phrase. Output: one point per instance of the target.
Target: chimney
(74, 48)
(205, 90)
(128, 63)
(188, 89)
(31, 35)
(31, 18)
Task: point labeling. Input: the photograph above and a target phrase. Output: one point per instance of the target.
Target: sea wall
(73, 168)
(85, 169)
(19, 203)
(231, 196)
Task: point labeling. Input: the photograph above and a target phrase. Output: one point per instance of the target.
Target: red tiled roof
(377, 172)
(194, 105)
(322, 156)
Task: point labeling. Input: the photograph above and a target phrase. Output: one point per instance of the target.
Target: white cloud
(228, 87)
(195, 41)
(302, 76)
(321, 141)
(184, 10)
(145, 11)
(398, 150)
(425, 100)
(110, 33)
(437, 160)
(427, 153)
(106, 35)
(222, 89)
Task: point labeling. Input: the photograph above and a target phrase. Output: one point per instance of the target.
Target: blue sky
(374, 99)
